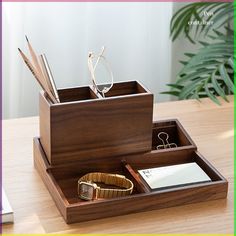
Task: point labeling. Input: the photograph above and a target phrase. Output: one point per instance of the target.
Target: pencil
(48, 73)
(33, 55)
(45, 74)
(36, 75)
(36, 63)
(38, 67)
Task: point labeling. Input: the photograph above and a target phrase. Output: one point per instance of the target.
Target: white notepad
(174, 175)
(7, 212)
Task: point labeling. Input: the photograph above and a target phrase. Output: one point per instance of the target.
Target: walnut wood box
(86, 125)
(61, 180)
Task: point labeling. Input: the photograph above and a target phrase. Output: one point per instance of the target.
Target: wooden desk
(210, 126)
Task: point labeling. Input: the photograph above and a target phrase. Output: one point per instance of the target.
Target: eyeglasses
(102, 89)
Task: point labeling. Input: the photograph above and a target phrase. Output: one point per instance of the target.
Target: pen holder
(85, 125)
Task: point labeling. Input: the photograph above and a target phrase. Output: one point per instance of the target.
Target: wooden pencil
(48, 74)
(33, 56)
(45, 74)
(37, 76)
(38, 67)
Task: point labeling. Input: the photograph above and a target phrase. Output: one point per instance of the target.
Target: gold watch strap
(109, 179)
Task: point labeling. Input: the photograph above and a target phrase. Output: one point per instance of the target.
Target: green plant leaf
(184, 21)
(212, 37)
(229, 30)
(218, 33)
(176, 86)
(189, 54)
(203, 43)
(187, 90)
(210, 94)
(223, 15)
(173, 93)
(226, 78)
(209, 56)
(196, 74)
(217, 87)
(183, 62)
(176, 19)
(228, 37)
(197, 91)
(231, 62)
(207, 65)
(178, 16)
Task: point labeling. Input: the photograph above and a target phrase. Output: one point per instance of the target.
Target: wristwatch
(88, 189)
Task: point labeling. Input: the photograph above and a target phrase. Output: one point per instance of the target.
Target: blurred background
(136, 36)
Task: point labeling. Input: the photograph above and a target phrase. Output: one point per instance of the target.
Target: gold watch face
(87, 191)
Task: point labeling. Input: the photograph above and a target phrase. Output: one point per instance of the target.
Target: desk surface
(209, 125)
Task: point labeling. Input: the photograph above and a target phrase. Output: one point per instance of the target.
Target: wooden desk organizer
(86, 133)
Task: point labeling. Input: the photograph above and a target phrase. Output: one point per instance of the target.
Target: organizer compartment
(177, 134)
(76, 94)
(61, 182)
(85, 126)
(68, 183)
(182, 157)
(126, 88)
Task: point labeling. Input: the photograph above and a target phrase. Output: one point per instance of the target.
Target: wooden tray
(84, 124)
(61, 182)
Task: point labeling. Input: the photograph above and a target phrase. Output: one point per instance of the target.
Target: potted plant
(210, 71)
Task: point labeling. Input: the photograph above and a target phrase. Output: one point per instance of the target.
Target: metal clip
(163, 136)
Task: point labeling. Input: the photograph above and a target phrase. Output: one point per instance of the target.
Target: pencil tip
(19, 50)
(26, 38)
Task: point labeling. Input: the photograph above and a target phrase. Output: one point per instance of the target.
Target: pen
(48, 74)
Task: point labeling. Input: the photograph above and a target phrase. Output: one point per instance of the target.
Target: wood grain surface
(112, 126)
(210, 127)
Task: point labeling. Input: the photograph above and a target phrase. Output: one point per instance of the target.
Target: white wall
(136, 36)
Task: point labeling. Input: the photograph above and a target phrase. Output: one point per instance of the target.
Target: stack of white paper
(174, 175)
(7, 212)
